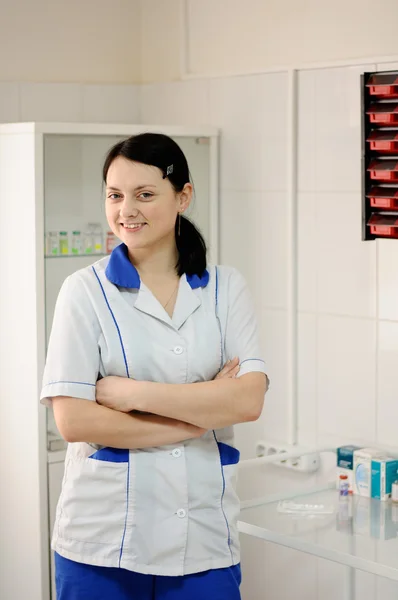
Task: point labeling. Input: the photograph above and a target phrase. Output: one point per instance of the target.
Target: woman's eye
(114, 196)
(145, 196)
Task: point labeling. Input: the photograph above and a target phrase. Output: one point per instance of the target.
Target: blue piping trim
(74, 382)
(222, 497)
(259, 359)
(128, 375)
(114, 320)
(127, 510)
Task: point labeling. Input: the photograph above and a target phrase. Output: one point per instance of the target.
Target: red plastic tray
(384, 226)
(383, 113)
(384, 170)
(383, 197)
(384, 141)
(390, 203)
(383, 85)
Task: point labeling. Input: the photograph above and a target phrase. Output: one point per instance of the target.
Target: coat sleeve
(73, 355)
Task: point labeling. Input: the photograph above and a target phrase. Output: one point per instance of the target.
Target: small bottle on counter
(111, 241)
(76, 243)
(87, 242)
(343, 486)
(98, 241)
(63, 242)
(52, 243)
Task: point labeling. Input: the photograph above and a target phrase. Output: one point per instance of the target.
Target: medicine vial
(343, 486)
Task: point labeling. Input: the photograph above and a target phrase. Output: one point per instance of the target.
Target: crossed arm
(209, 405)
(167, 413)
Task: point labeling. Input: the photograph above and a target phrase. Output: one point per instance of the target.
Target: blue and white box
(345, 464)
(363, 470)
(384, 473)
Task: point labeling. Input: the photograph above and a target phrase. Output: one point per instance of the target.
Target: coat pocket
(94, 500)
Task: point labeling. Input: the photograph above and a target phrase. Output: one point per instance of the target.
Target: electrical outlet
(308, 462)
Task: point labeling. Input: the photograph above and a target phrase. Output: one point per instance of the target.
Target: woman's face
(141, 206)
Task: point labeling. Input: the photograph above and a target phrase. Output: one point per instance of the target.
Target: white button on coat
(176, 453)
(108, 322)
(181, 513)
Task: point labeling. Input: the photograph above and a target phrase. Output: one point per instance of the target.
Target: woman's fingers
(231, 364)
(230, 369)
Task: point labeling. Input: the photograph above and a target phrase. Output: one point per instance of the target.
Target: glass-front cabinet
(52, 223)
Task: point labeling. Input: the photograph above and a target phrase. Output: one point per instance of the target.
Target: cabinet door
(55, 475)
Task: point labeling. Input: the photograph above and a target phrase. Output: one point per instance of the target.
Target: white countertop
(361, 533)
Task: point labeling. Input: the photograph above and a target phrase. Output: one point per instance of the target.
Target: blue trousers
(77, 581)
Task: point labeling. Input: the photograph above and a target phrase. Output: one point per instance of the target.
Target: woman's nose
(128, 208)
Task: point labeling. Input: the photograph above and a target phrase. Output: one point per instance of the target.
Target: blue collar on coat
(122, 273)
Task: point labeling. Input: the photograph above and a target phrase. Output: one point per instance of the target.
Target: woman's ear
(185, 197)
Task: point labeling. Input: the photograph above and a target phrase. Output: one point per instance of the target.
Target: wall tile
(249, 102)
(333, 580)
(386, 588)
(254, 239)
(247, 436)
(273, 329)
(176, 103)
(51, 102)
(347, 377)
(254, 553)
(241, 161)
(306, 140)
(111, 104)
(307, 252)
(387, 261)
(387, 384)
(387, 66)
(307, 379)
(251, 112)
(365, 583)
(346, 264)
(284, 580)
(9, 103)
(338, 129)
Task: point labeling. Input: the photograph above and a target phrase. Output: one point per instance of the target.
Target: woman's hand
(229, 370)
(116, 393)
(125, 394)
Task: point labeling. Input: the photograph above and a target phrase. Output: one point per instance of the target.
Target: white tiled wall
(345, 284)
(62, 102)
(347, 289)
(9, 102)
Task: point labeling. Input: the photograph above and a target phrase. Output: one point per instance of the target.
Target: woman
(153, 357)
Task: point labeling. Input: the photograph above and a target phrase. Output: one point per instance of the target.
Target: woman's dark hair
(161, 151)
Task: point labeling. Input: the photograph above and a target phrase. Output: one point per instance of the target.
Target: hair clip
(169, 171)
